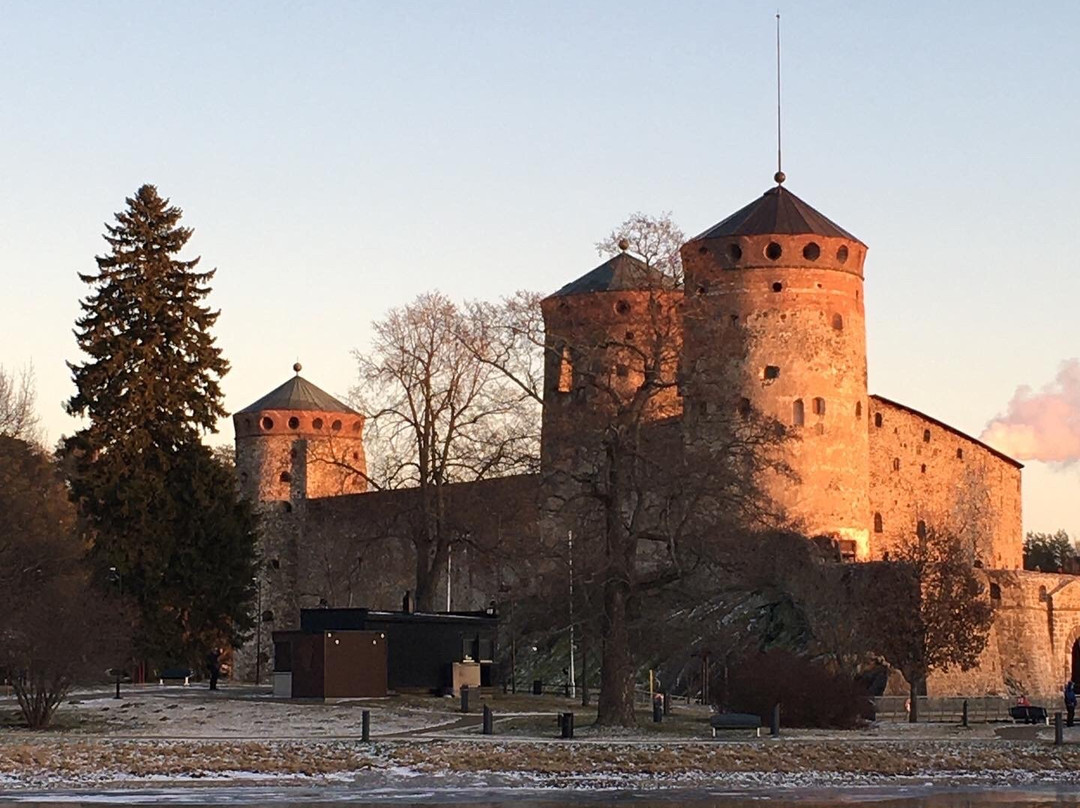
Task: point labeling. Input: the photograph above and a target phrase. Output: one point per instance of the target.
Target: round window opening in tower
(317, 423)
(776, 287)
(356, 426)
(811, 252)
(622, 307)
(773, 251)
(734, 251)
(336, 426)
(267, 423)
(294, 423)
(285, 477)
(841, 253)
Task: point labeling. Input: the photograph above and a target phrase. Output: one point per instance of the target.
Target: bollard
(1059, 733)
(667, 703)
(489, 721)
(657, 709)
(567, 725)
(117, 684)
(538, 687)
(365, 725)
(464, 698)
(774, 725)
(964, 715)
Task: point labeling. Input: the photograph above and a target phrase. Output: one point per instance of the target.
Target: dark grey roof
(619, 274)
(298, 394)
(776, 211)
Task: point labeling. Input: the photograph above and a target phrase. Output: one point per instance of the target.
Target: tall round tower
(774, 321)
(604, 332)
(298, 442)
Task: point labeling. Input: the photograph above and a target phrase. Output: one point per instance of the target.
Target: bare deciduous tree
(929, 611)
(18, 417)
(656, 240)
(441, 412)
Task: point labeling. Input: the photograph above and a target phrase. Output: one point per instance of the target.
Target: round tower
(603, 333)
(298, 442)
(774, 321)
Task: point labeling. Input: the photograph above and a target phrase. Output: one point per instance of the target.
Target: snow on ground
(241, 737)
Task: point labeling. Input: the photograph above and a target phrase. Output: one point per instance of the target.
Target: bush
(810, 695)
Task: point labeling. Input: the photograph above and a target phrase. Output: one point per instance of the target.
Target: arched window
(896, 464)
(858, 409)
(877, 419)
(745, 407)
(920, 529)
(926, 436)
(798, 416)
(838, 322)
(566, 371)
(819, 406)
(285, 477)
(878, 526)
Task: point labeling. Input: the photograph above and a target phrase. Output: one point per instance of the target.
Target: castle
(769, 318)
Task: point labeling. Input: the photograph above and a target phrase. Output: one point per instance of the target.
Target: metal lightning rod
(779, 177)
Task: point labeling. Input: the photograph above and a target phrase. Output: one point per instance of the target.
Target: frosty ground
(242, 737)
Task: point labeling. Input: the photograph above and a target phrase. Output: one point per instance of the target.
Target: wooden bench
(1029, 714)
(726, 721)
(175, 675)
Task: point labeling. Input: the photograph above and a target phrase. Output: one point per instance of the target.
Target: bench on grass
(1029, 714)
(175, 675)
(725, 721)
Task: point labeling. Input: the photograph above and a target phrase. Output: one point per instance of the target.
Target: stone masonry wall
(776, 323)
(924, 471)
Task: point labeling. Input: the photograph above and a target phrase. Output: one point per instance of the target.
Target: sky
(335, 159)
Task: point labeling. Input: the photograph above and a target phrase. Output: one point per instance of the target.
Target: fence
(981, 709)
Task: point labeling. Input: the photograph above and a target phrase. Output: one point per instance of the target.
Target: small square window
(770, 372)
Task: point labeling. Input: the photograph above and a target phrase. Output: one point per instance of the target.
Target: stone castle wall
(922, 470)
(776, 323)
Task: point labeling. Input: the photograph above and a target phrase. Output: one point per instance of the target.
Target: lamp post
(258, 630)
(118, 579)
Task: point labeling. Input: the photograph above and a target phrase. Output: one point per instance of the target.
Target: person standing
(213, 662)
(1070, 703)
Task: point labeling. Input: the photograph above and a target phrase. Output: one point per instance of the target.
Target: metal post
(774, 725)
(568, 725)
(117, 672)
(570, 690)
(964, 717)
(667, 703)
(657, 709)
(258, 630)
(489, 721)
(365, 725)
(464, 698)
(1059, 732)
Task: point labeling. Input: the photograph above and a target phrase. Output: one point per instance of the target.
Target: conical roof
(776, 211)
(621, 273)
(299, 394)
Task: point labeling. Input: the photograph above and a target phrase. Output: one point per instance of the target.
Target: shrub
(810, 695)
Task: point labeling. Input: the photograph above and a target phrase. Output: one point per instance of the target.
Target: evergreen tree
(150, 388)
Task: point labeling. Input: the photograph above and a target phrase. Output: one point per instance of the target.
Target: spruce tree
(149, 389)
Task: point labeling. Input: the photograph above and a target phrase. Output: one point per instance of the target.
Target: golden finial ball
(297, 367)
(779, 176)
(624, 245)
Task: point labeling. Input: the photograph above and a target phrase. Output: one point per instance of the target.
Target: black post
(489, 721)
(774, 725)
(667, 703)
(568, 725)
(117, 672)
(657, 709)
(538, 687)
(1059, 733)
(464, 698)
(365, 725)
(964, 718)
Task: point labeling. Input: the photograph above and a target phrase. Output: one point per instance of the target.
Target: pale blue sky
(335, 159)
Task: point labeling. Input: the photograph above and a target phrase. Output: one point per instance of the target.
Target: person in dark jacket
(213, 664)
(1070, 702)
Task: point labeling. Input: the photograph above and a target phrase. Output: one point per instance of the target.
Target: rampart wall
(922, 470)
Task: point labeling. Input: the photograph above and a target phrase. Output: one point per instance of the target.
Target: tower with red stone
(774, 321)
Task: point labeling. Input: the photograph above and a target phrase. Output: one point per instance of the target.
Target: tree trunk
(913, 700)
(616, 703)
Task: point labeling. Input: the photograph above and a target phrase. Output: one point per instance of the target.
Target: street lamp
(258, 629)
